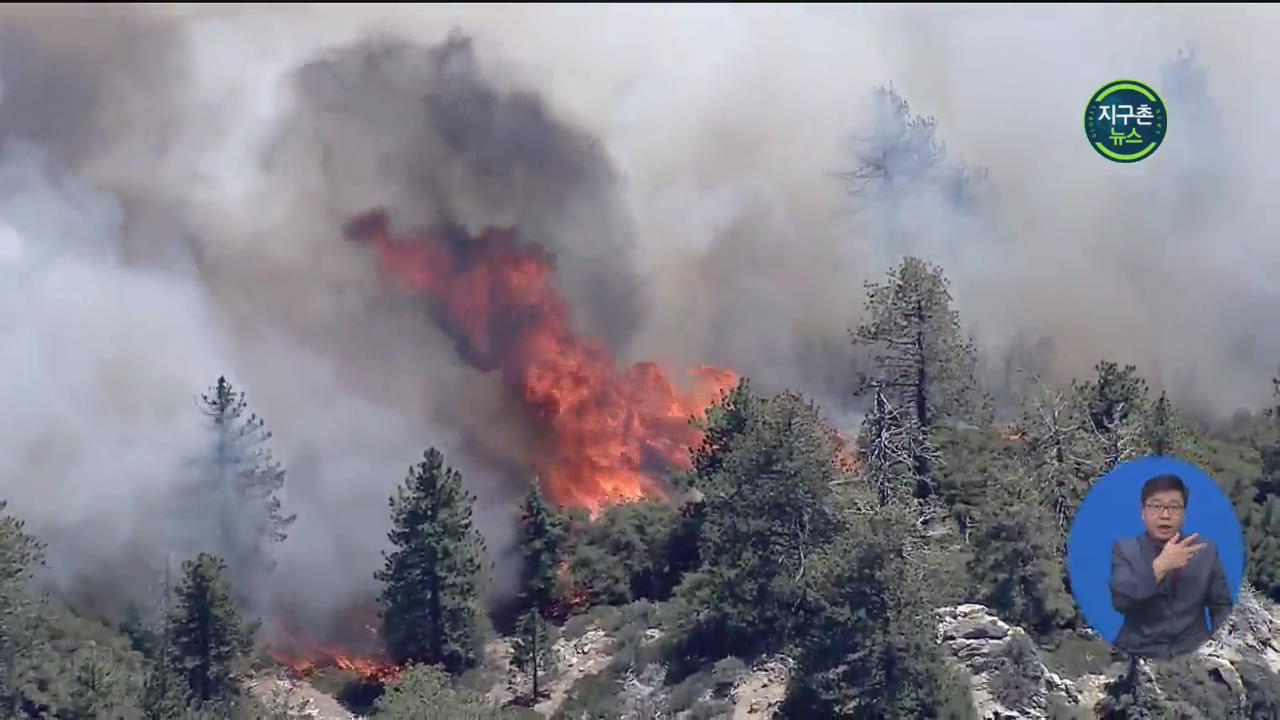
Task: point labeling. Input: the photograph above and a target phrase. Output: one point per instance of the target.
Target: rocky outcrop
(1007, 678)
(286, 698)
(1253, 631)
(758, 694)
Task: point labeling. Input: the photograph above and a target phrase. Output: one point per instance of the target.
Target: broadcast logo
(1125, 121)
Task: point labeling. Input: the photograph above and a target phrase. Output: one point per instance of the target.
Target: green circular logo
(1125, 121)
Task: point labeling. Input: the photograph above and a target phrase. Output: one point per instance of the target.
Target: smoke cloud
(174, 182)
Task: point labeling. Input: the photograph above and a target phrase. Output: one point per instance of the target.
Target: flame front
(303, 657)
(609, 429)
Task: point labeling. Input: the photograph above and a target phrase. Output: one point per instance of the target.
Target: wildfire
(846, 455)
(303, 657)
(609, 428)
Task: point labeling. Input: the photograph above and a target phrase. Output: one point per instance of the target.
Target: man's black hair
(1161, 483)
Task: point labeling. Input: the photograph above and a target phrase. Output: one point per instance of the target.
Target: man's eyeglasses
(1162, 509)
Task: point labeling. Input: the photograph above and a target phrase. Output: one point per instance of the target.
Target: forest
(783, 538)
(878, 530)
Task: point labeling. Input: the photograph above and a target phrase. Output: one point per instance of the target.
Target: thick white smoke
(173, 185)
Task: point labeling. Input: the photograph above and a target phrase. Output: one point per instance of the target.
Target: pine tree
(424, 692)
(236, 497)
(533, 650)
(872, 650)
(725, 423)
(902, 157)
(1066, 451)
(165, 692)
(920, 359)
(1165, 433)
(723, 426)
(24, 641)
(891, 445)
(142, 638)
(1133, 695)
(625, 554)
(769, 507)
(1114, 402)
(1268, 446)
(1013, 566)
(1262, 544)
(102, 686)
(434, 577)
(209, 641)
(542, 550)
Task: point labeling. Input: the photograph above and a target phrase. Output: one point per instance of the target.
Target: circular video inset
(1156, 557)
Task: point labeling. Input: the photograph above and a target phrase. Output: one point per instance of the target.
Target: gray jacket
(1166, 619)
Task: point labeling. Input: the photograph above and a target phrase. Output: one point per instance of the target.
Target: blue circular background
(1113, 510)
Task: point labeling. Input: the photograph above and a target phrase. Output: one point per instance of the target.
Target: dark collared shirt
(1167, 618)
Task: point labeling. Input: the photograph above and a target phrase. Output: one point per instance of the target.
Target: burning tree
(432, 612)
(234, 501)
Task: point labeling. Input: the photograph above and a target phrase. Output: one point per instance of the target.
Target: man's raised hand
(1176, 554)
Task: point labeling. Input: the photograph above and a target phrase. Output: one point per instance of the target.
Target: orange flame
(303, 657)
(609, 429)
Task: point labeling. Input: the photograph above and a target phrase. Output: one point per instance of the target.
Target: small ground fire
(303, 656)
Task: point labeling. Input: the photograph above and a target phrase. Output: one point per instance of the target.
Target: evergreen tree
(1063, 451)
(165, 692)
(625, 555)
(921, 361)
(533, 651)
(1262, 544)
(891, 446)
(1013, 564)
(1268, 446)
(424, 693)
(209, 642)
(542, 550)
(1165, 433)
(1133, 695)
(724, 424)
(434, 577)
(235, 502)
(872, 650)
(142, 638)
(972, 456)
(1114, 403)
(23, 628)
(768, 505)
(901, 157)
(102, 686)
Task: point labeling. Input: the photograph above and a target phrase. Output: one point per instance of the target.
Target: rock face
(1253, 630)
(757, 695)
(296, 700)
(1007, 678)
